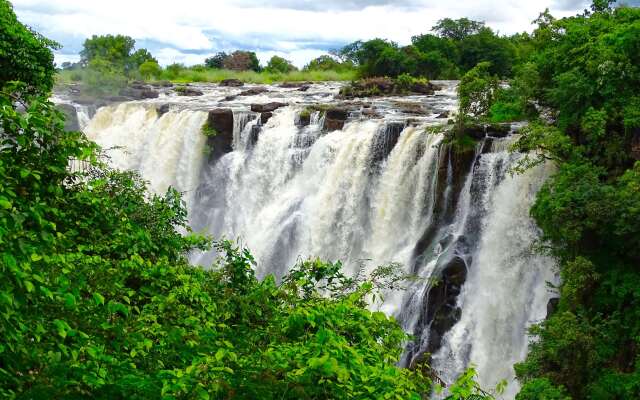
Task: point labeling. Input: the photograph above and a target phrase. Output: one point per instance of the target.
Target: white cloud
(189, 30)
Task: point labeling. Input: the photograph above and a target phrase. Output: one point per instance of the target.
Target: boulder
(164, 84)
(334, 119)
(149, 94)
(267, 107)
(70, 117)
(427, 88)
(220, 120)
(163, 109)
(476, 131)
(443, 115)
(232, 83)
(304, 88)
(187, 91)
(254, 134)
(253, 91)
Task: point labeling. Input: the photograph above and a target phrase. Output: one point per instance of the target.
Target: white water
(299, 192)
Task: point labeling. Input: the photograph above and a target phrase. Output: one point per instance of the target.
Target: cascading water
(381, 190)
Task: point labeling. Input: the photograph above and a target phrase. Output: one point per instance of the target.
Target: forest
(98, 298)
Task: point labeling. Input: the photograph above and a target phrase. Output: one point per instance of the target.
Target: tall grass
(188, 75)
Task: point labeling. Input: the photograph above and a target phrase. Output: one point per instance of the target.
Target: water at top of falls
(379, 190)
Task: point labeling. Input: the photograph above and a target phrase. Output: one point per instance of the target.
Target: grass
(188, 75)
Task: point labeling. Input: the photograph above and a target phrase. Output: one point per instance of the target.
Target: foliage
(24, 55)
(242, 61)
(150, 69)
(459, 29)
(477, 90)
(328, 63)
(279, 65)
(584, 70)
(216, 61)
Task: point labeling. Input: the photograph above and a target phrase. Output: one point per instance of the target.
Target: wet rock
(265, 116)
(70, 117)
(385, 140)
(164, 84)
(163, 109)
(268, 107)
(304, 88)
(187, 91)
(441, 305)
(253, 91)
(149, 94)
(254, 134)
(443, 115)
(229, 98)
(293, 85)
(137, 93)
(476, 131)
(370, 113)
(552, 306)
(412, 108)
(221, 121)
(498, 130)
(303, 118)
(334, 119)
(232, 83)
(426, 88)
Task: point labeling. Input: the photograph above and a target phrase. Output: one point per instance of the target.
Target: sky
(188, 31)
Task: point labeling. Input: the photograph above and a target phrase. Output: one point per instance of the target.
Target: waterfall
(377, 191)
(167, 150)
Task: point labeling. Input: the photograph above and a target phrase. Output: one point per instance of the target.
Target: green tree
(457, 29)
(279, 65)
(150, 69)
(216, 61)
(115, 49)
(24, 55)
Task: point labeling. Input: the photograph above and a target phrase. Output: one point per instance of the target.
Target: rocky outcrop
(442, 309)
(187, 91)
(480, 131)
(303, 118)
(253, 91)
(232, 83)
(334, 119)
(295, 85)
(70, 117)
(383, 86)
(221, 142)
(139, 92)
(267, 107)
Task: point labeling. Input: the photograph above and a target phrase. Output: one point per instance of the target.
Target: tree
(242, 61)
(115, 49)
(379, 57)
(24, 55)
(458, 29)
(476, 91)
(150, 69)
(138, 58)
(279, 65)
(487, 46)
(324, 63)
(216, 61)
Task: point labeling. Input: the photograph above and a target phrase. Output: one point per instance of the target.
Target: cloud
(190, 30)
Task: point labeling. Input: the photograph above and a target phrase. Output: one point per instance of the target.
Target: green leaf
(98, 298)
(29, 286)
(69, 300)
(5, 203)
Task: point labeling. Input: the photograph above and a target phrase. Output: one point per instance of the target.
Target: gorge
(365, 182)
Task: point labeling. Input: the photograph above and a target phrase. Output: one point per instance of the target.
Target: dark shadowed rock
(229, 98)
(476, 131)
(552, 306)
(268, 107)
(70, 117)
(164, 84)
(334, 119)
(443, 115)
(253, 91)
(149, 94)
(265, 116)
(442, 307)
(187, 91)
(498, 130)
(254, 134)
(163, 109)
(138, 93)
(427, 88)
(221, 143)
(303, 118)
(293, 85)
(232, 83)
(304, 88)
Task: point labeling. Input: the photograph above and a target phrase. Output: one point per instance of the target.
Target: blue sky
(188, 31)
